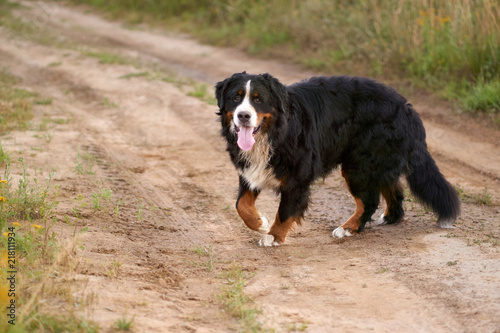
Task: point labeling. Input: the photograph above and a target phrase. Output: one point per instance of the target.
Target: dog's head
(250, 105)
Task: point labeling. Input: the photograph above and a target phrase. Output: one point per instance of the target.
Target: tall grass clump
(15, 104)
(451, 46)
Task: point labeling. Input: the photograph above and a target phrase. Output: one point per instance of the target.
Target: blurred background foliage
(451, 47)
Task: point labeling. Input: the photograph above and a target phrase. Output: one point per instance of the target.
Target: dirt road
(174, 188)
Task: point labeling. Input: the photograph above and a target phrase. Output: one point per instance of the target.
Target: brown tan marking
(389, 199)
(267, 117)
(248, 212)
(354, 222)
(280, 229)
(229, 116)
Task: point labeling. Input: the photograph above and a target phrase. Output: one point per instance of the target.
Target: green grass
(27, 216)
(45, 323)
(484, 198)
(84, 163)
(110, 58)
(207, 255)
(449, 47)
(203, 93)
(236, 303)
(483, 96)
(15, 104)
(25, 200)
(124, 324)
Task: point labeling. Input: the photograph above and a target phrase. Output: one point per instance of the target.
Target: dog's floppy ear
(278, 91)
(220, 88)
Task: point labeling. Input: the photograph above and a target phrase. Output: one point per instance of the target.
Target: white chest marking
(258, 174)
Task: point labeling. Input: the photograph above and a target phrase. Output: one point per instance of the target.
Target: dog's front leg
(245, 205)
(291, 210)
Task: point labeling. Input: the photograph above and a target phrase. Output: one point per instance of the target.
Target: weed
(139, 213)
(284, 286)
(484, 198)
(43, 101)
(109, 58)
(108, 104)
(15, 104)
(99, 196)
(208, 254)
(382, 270)
(28, 200)
(68, 323)
(131, 75)
(452, 263)
(113, 268)
(4, 156)
(124, 324)
(117, 206)
(54, 64)
(81, 200)
(301, 327)
(84, 163)
(235, 302)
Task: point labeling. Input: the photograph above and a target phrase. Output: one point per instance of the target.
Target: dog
(283, 137)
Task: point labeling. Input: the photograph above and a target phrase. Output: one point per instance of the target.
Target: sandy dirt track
(156, 147)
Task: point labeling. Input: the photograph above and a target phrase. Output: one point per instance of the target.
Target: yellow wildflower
(36, 226)
(2, 199)
(445, 19)
(6, 234)
(4, 181)
(17, 224)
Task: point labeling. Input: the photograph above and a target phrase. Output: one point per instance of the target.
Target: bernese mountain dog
(284, 137)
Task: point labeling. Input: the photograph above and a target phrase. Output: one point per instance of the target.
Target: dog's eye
(257, 100)
(237, 99)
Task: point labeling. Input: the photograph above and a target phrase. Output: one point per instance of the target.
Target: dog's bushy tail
(430, 187)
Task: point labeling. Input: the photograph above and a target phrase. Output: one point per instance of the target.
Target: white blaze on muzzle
(245, 121)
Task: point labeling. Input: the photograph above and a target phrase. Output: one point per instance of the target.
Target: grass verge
(32, 256)
(15, 104)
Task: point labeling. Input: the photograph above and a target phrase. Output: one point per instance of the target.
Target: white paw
(446, 223)
(340, 232)
(264, 228)
(268, 240)
(380, 221)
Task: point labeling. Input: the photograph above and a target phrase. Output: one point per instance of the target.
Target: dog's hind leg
(393, 196)
(366, 198)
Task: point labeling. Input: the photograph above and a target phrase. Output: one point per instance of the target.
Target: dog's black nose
(244, 117)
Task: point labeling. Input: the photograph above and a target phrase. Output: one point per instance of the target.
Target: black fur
(365, 127)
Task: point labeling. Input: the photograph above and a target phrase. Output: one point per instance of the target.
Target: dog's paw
(446, 223)
(341, 232)
(265, 227)
(380, 221)
(268, 240)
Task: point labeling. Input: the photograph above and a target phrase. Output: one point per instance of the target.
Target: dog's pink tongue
(245, 138)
